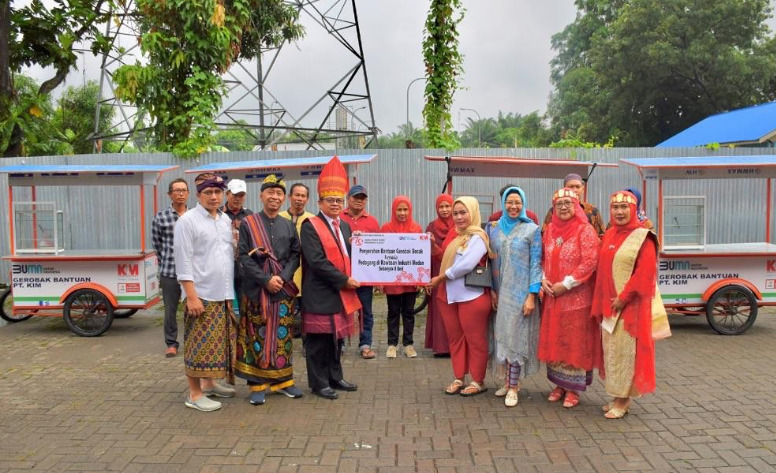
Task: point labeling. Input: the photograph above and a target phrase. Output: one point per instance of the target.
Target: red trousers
(466, 324)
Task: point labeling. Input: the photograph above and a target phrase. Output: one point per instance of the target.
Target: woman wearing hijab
(517, 243)
(465, 309)
(569, 338)
(439, 228)
(624, 301)
(401, 298)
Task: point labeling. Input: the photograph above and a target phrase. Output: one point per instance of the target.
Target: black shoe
(343, 385)
(326, 393)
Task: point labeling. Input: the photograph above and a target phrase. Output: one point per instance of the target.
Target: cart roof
(84, 174)
(293, 168)
(707, 167)
(490, 166)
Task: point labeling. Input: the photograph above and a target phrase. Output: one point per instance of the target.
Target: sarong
(619, 362)
(569, 377)
(209, 342)
(252, 343)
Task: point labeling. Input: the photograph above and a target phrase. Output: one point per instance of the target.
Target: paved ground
(114, 403)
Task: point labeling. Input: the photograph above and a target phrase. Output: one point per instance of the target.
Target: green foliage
(443, 66)
(643, 70)
(74, 118)
(407, 135)
(510, 130)
(237, 139)
(189, 44)
(28, 113)
(41, 34)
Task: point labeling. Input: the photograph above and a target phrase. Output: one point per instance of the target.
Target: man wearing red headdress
(330, 299)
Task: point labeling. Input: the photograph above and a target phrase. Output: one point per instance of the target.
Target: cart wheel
(6, 308)
(419, 306)
(732, 310)
(88, 313)
(124, 313)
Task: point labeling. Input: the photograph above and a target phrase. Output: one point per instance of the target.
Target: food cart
(85, 287)
(726, 282)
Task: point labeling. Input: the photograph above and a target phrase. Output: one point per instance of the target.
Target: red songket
(568, 334)
(436, 335)
(395, 226)
(637, 295)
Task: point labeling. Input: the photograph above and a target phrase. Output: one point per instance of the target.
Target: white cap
(236, 186)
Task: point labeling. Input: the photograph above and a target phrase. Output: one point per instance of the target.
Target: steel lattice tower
(253, 102)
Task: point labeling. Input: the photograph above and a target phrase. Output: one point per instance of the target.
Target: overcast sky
(505, 43)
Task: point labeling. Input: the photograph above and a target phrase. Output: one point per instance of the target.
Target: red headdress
(333, 181)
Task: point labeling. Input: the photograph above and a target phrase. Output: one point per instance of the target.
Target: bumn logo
(128, 269)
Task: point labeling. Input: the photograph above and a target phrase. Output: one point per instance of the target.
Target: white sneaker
(502, 391)
(511, 399)
(391, 351)
(203, 404)
(410, 352)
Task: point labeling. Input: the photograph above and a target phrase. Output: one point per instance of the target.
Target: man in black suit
(330, 299)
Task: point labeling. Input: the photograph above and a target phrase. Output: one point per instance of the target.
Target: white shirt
(204, 253)
(457, 290)
(341, 236)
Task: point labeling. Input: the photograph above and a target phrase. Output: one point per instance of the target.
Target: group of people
(571, 293)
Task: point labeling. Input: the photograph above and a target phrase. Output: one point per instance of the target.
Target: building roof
(745, 126)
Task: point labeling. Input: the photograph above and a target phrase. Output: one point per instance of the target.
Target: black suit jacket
(321, 281)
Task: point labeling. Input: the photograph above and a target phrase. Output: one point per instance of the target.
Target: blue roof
(82, 168)
(282, 163)
(750, 161)
(745, 125)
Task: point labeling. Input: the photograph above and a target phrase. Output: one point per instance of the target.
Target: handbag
(480, 276)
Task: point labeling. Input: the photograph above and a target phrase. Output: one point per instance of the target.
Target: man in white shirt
(204, 262)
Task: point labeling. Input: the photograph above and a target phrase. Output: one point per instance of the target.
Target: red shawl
(440, 227)
(339, 259)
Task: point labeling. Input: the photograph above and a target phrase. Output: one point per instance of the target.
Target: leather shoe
(326, 393)
(343, 385)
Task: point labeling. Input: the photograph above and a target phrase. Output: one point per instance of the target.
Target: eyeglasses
(179, 191)
(562, 205)
(333, 201)
(513, 204)
(211, 192)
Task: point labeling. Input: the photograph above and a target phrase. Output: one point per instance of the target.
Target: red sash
(339, 259)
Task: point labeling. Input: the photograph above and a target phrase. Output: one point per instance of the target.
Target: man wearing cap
(330, 299)
(576, 184)
(298, 195)
(234, 208)
(162, 234)
(203, 262)
(269, 254)
(361, 221)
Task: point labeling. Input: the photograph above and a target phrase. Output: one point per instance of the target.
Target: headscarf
(460, 238)
(632, 201)
(394, 225)
(565, 229)
(440, 227)
(640, 212)
(572, 177)
(506, 222)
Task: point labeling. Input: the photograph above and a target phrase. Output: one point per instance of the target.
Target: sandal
(556, 394)
(367, 353)
(572, 400)
(473, 389)
(454, 387)
(617, 413)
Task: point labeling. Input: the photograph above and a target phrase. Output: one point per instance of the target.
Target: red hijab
(440, 227)
(394, 225)
(565, 229)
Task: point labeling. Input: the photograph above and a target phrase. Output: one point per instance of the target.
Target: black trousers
(401, 305)
(323, 360)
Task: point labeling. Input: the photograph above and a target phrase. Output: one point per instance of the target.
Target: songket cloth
(209, 341)
(256, 363)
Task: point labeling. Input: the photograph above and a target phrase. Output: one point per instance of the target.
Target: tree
(443, 66)
(237, 139)
(76, 115)
(641, 71)
(188, 45)
(43, 34)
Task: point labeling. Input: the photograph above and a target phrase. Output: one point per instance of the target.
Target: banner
(386, 259)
